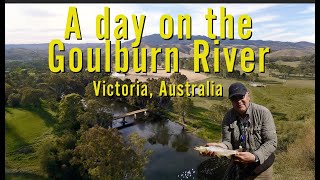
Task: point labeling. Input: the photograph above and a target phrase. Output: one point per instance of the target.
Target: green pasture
(292, 103)
(25, 130)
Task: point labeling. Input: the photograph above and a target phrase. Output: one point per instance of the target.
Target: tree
(160, 134)
(55, 157)
(234, 74)
(31, 97)
(285, 69)
(183, 106)
(58, 84)
(253, 76)
(178, 78)
(96, 113)
(65, 84)
(155, 102)
(8, 91)
(103, 154)
(69, 109)
(244, 76)
(181, 142)
(14, 100)
(189, 63)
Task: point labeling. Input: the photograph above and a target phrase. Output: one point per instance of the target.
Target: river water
(173, 156)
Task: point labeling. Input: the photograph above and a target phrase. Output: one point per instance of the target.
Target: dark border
(2, 100)
(316, 123)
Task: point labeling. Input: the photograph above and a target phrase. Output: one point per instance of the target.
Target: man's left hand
(245, 157)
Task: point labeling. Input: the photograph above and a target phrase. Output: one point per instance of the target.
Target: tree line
(84, 145)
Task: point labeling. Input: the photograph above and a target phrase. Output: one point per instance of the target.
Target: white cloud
(281, 36)
(261, 19)
(27, 23)
(310, 9)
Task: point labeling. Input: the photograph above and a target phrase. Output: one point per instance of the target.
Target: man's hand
(244, 157)
(214, 144)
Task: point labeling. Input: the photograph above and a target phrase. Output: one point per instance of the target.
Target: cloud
(280, 36)
(261, 19)
(36, 12)
(310, 9)
(44, 22)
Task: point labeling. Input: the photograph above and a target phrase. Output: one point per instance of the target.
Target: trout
(218, 151)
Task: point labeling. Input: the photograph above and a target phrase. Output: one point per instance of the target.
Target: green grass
(292, 104)
(199, 121)
(292, 64)
(25, 130)
(199, 124)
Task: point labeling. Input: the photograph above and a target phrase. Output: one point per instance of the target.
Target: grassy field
(293, 107)
(292, 104)
(25, 131)
(292, 64)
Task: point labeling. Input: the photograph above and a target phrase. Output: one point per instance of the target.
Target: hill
(278, 48)
(291, 52)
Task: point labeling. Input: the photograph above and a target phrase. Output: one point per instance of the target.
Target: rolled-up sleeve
(268, 135)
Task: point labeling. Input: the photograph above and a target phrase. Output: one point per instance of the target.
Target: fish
(218, 151)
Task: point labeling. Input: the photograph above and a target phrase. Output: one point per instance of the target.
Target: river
(173, 156)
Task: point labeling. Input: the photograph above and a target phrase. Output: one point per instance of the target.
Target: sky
(41, 23)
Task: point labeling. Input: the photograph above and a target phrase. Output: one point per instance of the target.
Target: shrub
(14, 100)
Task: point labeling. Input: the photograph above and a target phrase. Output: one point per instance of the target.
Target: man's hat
(237, 89)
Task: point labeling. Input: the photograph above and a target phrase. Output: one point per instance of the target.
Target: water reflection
(161, 134)
(173, 155)
(181, 142)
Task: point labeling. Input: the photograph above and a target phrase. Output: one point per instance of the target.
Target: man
(250, 128)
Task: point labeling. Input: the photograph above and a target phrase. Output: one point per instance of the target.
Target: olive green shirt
(261, 132)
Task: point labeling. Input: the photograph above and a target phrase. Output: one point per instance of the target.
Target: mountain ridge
(30, 51)
(175, 37)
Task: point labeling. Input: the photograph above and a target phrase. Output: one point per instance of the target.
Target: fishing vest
(251, 131)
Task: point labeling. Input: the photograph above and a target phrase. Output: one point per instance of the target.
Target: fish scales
(218, 151)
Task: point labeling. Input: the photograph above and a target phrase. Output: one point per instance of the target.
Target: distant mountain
(155, 40)
(278, 48)
(291, 52)
(28, 53)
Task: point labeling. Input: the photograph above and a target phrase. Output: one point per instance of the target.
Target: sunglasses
(237, 97)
